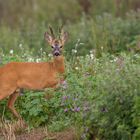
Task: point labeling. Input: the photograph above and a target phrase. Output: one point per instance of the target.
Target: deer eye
(61, 46)
(52, 46)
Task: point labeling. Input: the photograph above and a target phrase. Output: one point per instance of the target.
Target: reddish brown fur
(28, 75)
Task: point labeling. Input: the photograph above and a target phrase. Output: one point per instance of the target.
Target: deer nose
(57, 53)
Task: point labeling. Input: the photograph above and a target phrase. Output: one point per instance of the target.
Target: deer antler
(51, 30)
(60, 30)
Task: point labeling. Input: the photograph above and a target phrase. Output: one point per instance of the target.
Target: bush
(100, 96)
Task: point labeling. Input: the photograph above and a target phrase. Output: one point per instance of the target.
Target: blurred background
(103, 26)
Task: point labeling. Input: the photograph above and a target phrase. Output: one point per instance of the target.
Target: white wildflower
(115, 59)
(44, 53)
(102, 47)
(20, 45)
(81, 43)
(135, 55)
(49, 55)
(11, 51)
(38, 60)
(91, 51)
(76, 45)
(74, 50)
(78, 40)
(30, 59)
(76, 68)
(91, 56)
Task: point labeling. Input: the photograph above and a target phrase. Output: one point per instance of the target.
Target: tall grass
(34, 11)
(101, 34)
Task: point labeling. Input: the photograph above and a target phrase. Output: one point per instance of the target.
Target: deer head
(56, 43)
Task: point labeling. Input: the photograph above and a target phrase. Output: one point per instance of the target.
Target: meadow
(100, 97)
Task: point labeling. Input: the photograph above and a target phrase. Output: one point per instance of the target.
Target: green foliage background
(111, 25)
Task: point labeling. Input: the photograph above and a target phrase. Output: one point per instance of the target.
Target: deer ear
(64, 37)
(48, 37)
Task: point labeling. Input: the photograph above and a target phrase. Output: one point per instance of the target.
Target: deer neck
(58, 64)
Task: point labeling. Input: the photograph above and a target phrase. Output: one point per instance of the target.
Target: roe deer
(31, 75)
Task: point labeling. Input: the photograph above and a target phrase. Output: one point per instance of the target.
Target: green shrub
(100, 96)
(136, 135)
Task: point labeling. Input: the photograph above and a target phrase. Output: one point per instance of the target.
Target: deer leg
(11, 102)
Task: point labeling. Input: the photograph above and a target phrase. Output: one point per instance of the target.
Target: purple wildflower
(65, 110)
(64, 84)
(65, 97)
(76, 109)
